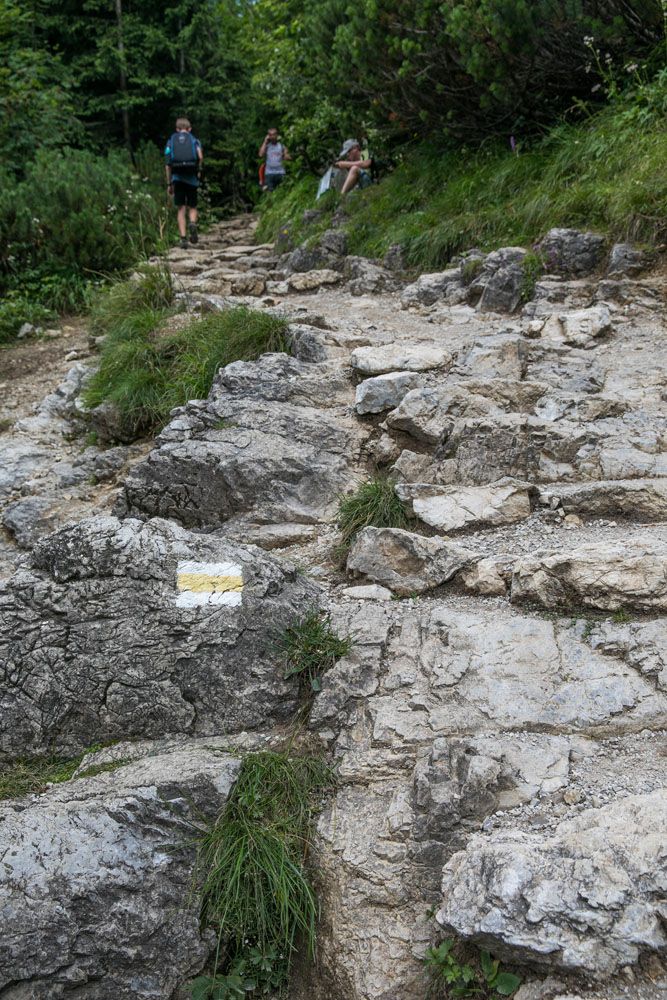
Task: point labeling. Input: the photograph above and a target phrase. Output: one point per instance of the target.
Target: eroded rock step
(500, 765)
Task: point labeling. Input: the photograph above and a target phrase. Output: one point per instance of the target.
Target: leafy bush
(310, 647)
(15, 310)
(373, 505)
(146, 370)
(454, 977)
(256, 892)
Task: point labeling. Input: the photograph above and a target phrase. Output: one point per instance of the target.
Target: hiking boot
(183, 243)
(194, 238)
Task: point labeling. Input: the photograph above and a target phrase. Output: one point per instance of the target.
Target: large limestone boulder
(589, 898)
(262, 444)
(125, 629)
(405, 562)
(429, 288)
(384, 392)
(399, 357)
(640, 498)
(500, 283)
(629, 574)
(570, 252)
(451, 508)
(96, 884)
(310, 280)
(579, 328)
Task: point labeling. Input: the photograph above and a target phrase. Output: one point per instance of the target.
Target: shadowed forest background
(491, 120)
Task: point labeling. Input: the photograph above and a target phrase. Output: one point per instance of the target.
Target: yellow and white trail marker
(203, 583)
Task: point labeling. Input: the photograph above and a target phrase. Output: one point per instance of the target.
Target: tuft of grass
(256, 892)
(310, 647)
(145, 370)
(373, 505)
(31, 776)
(533, 267)
(118, 309)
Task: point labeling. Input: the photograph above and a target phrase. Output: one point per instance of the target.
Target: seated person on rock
(357, 169)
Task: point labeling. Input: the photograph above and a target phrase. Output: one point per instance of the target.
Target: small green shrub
(310, 647)
(251, 864)
(374, 504)
(146, 371)
(452, 977)
(16, 310)
(621, 617)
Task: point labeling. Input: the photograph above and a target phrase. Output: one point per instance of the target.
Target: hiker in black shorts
(184, 159)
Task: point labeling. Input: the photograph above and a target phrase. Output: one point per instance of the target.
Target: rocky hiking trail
(498, 727)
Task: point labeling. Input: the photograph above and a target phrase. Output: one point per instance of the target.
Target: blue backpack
(183, 156)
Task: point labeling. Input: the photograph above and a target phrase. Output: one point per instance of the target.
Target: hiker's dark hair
(183, 123)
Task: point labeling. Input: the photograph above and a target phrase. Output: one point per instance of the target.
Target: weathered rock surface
(580, 328)
(405, 562)
(429, 288)
(392, 358)
(624, 259)
(499, 285)
(451, 508)
(125, 629)
(260, 443)
(641, 498)
(568, 251)
(313, 279)
(589, 898)
(627, 574)
(96, 880)
(384, 392)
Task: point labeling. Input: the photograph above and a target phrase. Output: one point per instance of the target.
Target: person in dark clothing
(184, 156)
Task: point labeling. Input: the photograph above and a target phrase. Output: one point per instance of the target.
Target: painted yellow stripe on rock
(209, 583)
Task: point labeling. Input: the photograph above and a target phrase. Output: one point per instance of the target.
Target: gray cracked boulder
(430, 288)
(384, 392)
(605, 575)
(260, 444)
(399, 356)
(452, 508)
(569, 251)
(125, 629)
(624, 259)
(96, 881)
(500, 283)
(590, 898)
(405, 562)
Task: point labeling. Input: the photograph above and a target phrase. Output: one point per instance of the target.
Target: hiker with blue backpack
(184, 157)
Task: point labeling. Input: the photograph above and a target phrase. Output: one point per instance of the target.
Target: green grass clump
(118, 309)
(30, 776)
(255, 889)
(310, 647)
(373, 505)
(146, 371)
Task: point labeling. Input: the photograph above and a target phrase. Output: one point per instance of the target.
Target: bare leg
(181, 221)
(193, 216)
(351, 179)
